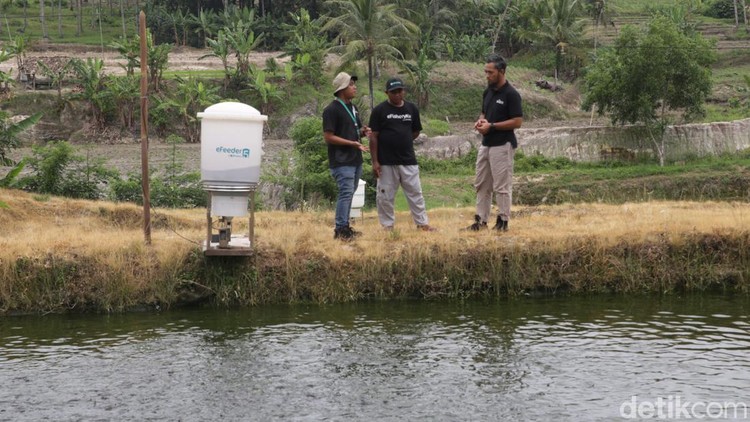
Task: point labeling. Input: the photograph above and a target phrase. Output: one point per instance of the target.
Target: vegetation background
(281, 55)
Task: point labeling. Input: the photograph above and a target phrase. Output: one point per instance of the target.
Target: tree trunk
(59, 19)
(42, 20)
(122, 18)
(25, 18)
(369, 80)
(744, 11)
(500, 25)
(736, 15)
(79, 18)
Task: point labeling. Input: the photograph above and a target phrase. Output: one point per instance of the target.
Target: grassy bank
(60, 255)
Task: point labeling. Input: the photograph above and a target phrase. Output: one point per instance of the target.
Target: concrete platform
(238, 246)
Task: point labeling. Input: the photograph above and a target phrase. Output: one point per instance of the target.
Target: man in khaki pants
(395, 124)
(501, 115)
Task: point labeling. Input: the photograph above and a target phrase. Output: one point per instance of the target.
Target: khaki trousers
(391, 177)
(494, 174)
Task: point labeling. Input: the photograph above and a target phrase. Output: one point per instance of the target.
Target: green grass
(726, 113)
(449, 183)
(197, 74)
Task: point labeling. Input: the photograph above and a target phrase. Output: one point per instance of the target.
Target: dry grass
(57, 254)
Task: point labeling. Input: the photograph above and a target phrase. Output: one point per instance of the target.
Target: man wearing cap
(342, 131)
(395, 124)
(501, 115)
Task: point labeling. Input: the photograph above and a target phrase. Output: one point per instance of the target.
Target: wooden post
(144, 131)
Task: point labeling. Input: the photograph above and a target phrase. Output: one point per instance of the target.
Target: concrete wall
(600, 142)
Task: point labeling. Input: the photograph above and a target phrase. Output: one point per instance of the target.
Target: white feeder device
(358, 200)
(231, 152)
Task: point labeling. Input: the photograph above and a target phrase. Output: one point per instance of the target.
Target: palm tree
(42, 20)
(556, 23)
(79, 18)
(369, 30)
(500, 9)
(59, 19)
(122, 18)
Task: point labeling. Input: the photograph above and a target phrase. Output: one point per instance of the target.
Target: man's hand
(376, 169)
(482, 126)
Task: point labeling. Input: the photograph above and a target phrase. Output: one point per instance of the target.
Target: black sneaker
(342, 234)
(353, 232)
(345, 233)
(478, 224)
(501, 225)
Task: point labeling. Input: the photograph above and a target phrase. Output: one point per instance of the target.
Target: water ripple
(552, 359)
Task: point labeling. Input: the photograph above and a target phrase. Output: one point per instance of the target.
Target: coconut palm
(369, 30)
(43, 20)
(556, 23)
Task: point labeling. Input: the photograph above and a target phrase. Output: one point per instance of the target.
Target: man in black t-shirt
(501, 115)
(342, 131)
(395, 124)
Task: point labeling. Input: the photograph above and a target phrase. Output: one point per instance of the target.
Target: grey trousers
(391, 177)
(494, 174)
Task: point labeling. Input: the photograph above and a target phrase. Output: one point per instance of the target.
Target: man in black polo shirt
(501, 115)
(342, 131)
(395, 123)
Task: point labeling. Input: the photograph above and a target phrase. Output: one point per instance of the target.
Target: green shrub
(538, 162)
(434, 127)
(722, 9)
(182, 191)
(58, 170)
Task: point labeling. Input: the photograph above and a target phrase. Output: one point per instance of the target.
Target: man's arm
(333, 139)
(374, 153)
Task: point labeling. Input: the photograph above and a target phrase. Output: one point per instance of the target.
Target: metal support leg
(251, 234)
(208, 221)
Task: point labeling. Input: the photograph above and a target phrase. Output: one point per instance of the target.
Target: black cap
(393, 84)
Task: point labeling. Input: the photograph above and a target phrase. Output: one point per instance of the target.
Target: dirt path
(182, 58)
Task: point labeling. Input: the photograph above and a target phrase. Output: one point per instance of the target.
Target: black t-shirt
(336, 119)
(395, 127)
(498, 106)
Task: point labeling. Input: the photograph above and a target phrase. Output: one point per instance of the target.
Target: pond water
(541, 359)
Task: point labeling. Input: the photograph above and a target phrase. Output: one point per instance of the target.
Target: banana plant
(220, 49)
(91, 79)
(56, 75)
(9, 132)
(266, 91)
(191, 96)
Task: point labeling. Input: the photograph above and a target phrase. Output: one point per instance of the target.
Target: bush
(538, 162)
(304, 174)
(722, 9)
(434, 127)
(57, 170)
(183, 191)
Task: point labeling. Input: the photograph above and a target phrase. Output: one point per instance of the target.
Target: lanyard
(349, 112)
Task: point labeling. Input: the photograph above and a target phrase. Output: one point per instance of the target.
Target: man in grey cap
(395, 124)
(343, 131)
